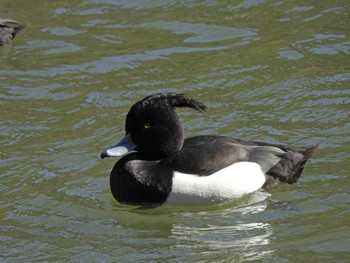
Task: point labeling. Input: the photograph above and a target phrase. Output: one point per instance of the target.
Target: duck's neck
(170, 142)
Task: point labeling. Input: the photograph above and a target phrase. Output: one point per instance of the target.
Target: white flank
(229, 183)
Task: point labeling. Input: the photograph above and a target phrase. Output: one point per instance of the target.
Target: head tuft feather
(172, 100)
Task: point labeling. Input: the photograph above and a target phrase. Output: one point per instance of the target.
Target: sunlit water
(274, 71)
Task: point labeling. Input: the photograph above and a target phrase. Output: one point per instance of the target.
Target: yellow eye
(146, 126)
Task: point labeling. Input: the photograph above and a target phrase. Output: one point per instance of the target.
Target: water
(274, 71)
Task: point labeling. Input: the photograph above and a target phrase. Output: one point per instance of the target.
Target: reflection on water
(243, 241)
(230, 236)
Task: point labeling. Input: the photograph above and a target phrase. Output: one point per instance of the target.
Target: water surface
(274, 71)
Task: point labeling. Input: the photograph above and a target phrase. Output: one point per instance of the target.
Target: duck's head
(152, 126)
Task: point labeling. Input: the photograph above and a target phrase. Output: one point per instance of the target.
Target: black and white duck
(164, 167)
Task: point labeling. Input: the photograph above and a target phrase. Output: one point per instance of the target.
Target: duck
(158, 165)
(7, 32)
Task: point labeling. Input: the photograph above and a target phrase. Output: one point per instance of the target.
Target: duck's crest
(171, 100)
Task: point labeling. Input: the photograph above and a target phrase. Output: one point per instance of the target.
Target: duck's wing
(205, 155)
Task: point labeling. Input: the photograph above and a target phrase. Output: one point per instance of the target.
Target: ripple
(57, 46)
(63, 31)
(205, 33)
(38, 93)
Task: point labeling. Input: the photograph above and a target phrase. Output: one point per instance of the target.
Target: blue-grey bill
(124, 146)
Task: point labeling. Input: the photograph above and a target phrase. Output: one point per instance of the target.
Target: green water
(274, 71)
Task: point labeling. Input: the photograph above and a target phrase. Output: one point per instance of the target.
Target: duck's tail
(289, 168)
(17, 29)
(307, 153)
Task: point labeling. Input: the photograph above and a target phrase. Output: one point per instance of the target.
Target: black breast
(134, 180)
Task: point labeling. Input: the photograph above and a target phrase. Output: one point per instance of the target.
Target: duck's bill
(124, 146)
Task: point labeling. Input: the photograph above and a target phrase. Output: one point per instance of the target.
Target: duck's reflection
(234, 233)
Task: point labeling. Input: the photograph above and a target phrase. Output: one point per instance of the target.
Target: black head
(154, 126)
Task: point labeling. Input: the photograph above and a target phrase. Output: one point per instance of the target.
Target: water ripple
(206, 33)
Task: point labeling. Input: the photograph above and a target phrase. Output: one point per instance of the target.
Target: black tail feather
(289, 168)
(307, 153)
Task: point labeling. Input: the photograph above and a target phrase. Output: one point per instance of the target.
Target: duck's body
(199, 170)
(7, 32)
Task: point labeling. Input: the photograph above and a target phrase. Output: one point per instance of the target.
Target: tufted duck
(166, 168)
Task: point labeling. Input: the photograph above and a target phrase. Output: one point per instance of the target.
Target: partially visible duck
(8, 32)
(164, 167)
